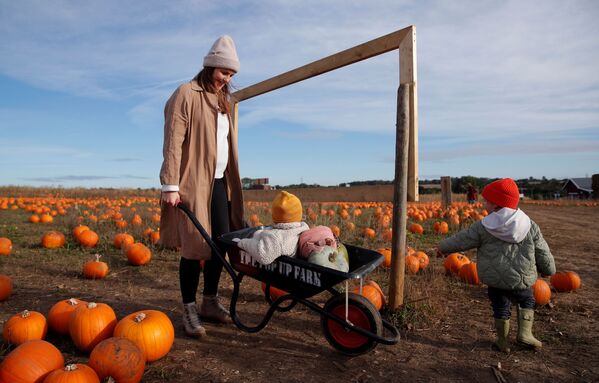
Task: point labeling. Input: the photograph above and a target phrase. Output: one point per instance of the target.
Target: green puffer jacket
(501, 264)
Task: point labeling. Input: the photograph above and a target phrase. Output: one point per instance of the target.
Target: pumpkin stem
(73, 301)
(109, 379)
(91, 305)
(70, 367)
(25, 314)
(139, 317)
(97, 257)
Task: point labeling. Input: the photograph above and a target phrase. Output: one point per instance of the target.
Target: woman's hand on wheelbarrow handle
(171, 198)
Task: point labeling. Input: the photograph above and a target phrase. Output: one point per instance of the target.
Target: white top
(269, 243)
(222, 145)
(222, 150)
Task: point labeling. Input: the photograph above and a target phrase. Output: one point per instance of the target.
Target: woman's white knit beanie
(222, 54)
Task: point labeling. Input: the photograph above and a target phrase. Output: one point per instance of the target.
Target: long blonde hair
(223, 95)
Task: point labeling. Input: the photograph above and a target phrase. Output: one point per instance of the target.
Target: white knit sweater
(269, 243)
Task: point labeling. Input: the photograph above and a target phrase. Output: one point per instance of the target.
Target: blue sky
(506, 88)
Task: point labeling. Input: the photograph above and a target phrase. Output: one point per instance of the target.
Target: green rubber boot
(502, 326)
(525, 321)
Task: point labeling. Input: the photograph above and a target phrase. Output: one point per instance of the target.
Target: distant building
(578, 187)
(255, 183)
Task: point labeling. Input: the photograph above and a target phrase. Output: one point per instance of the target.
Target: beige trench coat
(189, 161)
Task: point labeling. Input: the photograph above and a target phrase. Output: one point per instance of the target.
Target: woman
(200, 169)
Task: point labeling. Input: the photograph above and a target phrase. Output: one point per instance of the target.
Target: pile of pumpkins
(415, 261)
(118, 349)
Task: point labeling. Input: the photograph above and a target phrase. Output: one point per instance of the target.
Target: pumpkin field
(67, 256)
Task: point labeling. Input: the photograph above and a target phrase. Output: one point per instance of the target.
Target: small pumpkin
(31, 362)
(423, 259)
(53, 239)
(372, 294)
(541, 292)
(454, 261)
(34, 218)
(369, 232)
(73, 373)
(151, 330)
(416, 228)
(138, 254)
(329, 257)
(136, 220)
(469, 274)
(274, 292)
(88, 238)
(565, 281)
(122, 240)
(119, 359)
(95, 269)
(387, 254)
(90, 324)
(25, 326)
(46, 218)
(78, 230)
(60, 314)
(5, 287)
(5, 246)
(412, 264)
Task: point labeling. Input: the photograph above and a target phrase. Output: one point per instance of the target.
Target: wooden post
(595, 185)
(408, 74)
(445, 192)
(400, 199)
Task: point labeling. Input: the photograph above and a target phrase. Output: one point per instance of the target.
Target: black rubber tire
(362, 314)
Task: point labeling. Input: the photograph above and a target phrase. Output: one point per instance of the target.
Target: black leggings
(189, 269)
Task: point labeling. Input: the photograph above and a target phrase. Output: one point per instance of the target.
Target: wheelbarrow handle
(208, 239)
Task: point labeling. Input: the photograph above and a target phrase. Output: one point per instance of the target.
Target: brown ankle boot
(212, 311)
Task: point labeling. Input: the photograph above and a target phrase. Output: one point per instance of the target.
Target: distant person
(510, 249)
(200, 169)
(471, 193)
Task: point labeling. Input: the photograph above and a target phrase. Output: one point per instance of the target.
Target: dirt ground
(452, 347)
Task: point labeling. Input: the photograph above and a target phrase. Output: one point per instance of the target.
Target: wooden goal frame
(406, 185)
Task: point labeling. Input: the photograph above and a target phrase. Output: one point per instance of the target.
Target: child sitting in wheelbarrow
(281, 238)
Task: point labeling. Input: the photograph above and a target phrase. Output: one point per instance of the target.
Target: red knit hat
(502, 193)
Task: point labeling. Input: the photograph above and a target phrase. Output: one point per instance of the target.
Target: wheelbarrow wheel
(361, 313)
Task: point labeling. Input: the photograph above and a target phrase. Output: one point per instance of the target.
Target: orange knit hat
(286, 208)
(502, 193)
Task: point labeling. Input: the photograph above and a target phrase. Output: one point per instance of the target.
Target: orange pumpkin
(78, 230)
(53, 239)
(387, 254)
(416, 228)
(24, 326)
(376, 286)
(122, 240)
(138, 254)
(34, 218)
(151, 330)
(336, 230)
(5, 287)
(369, 232)
(372, 294)
(88, 238)
(95, 269)
(119, 359)
(31, 362)
(469, 274)
(90, 324)
(565, 281)
(73, 373)
(412, 264)
(46, 218)
(155, 237)
(454, 261)
(136, 220)
(60, 314)
(274, 292)
(541, 292)
(5, 246)
(440, 227)
(423, 259)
